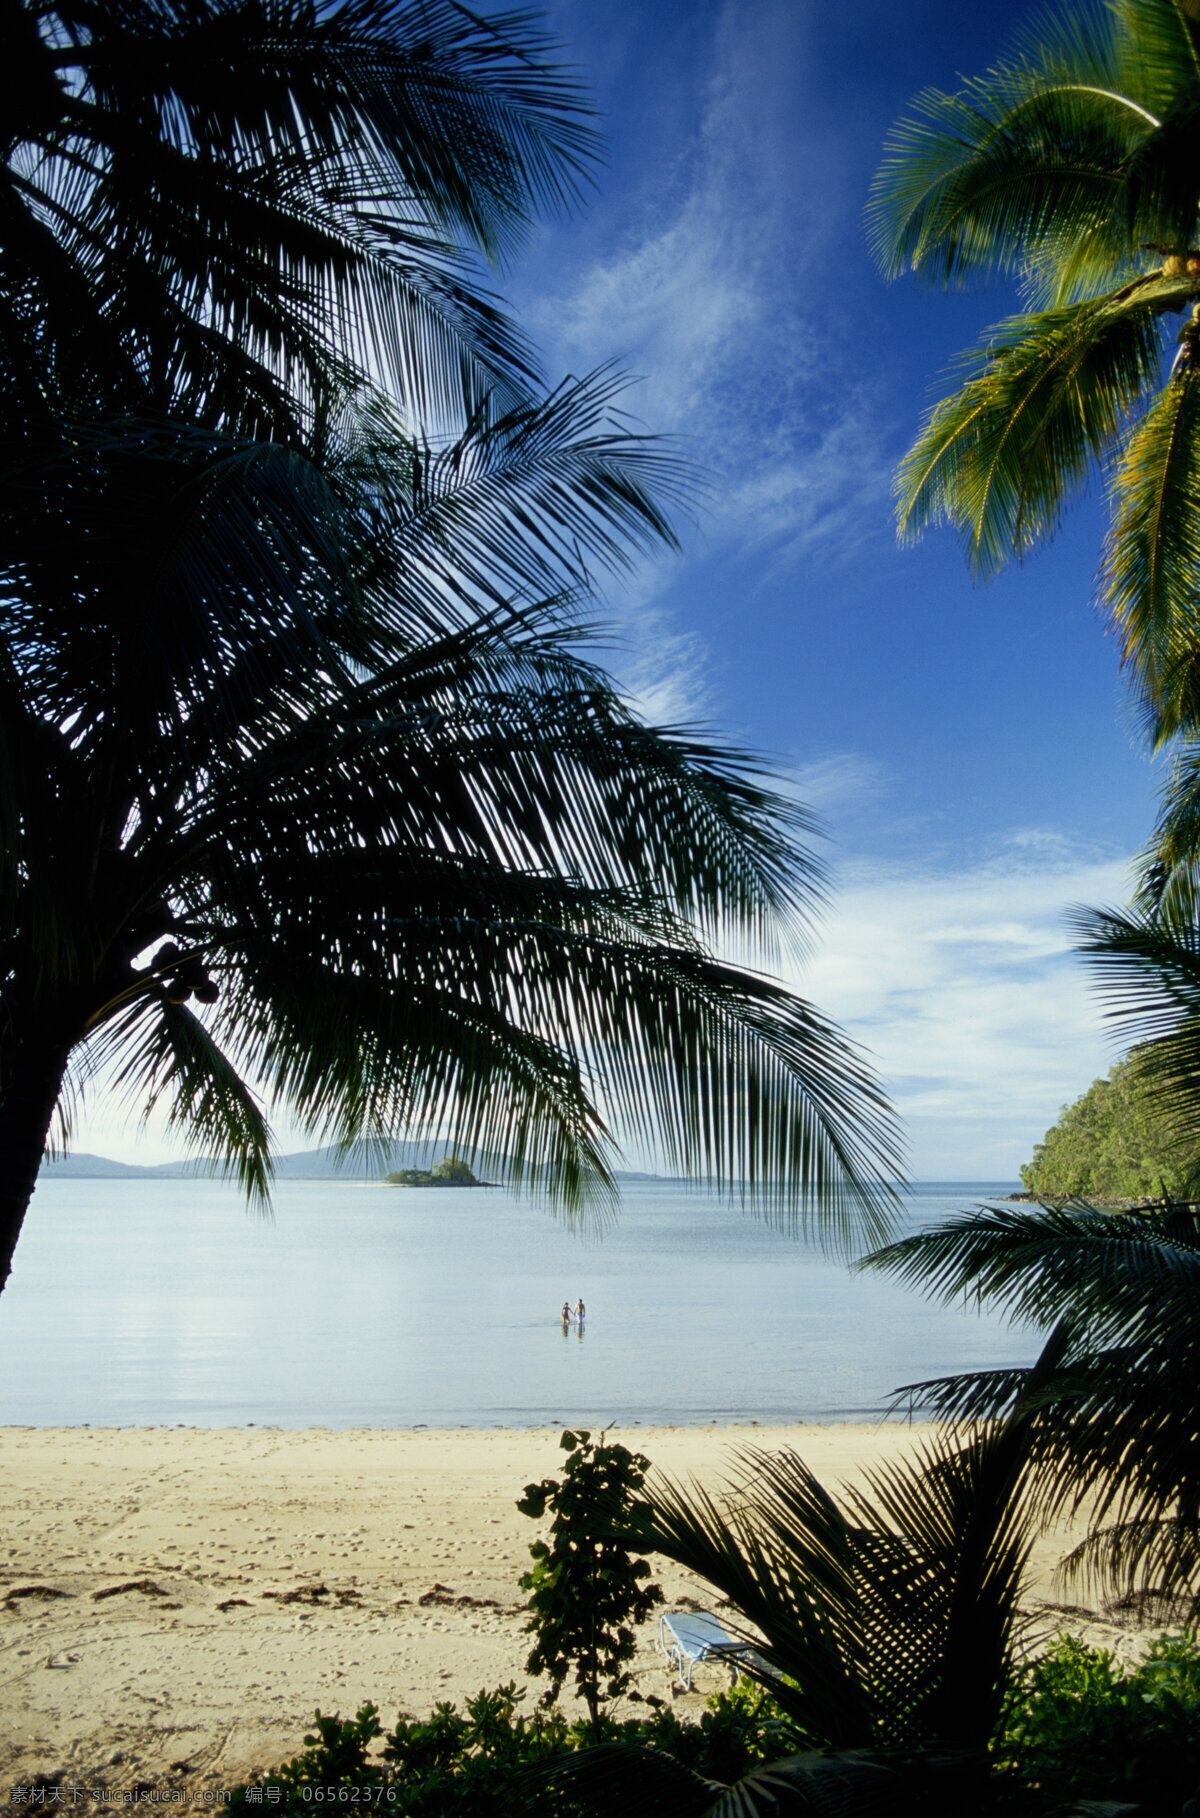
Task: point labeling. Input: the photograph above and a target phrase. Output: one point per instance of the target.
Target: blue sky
(970, 749)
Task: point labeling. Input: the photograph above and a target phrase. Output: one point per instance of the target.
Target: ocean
(164, 1303)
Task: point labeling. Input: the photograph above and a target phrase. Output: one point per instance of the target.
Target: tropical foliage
(1080, 1724)
(1069, 167)
(1114, 1141)
(886, 1617)
(880, 1602)
(308, 785)
(491, 1758)
(587, 1591)
(1115, 1427)
(234, 214)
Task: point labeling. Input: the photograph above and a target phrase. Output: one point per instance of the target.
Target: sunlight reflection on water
(151, 1303)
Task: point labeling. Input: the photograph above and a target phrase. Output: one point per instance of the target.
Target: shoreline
(176, 1602)
(731, 1424)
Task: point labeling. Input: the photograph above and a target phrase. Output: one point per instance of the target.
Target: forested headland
(1113, 1142)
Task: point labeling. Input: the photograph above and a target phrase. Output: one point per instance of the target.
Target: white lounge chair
(687, 1639)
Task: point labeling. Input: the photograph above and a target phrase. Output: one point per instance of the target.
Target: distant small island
(449, 1172)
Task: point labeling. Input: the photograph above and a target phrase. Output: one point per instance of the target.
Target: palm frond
(1156, 44)
(1142, 1559)
(1114, 1425)
(1068, 165)
(1049, 395)
(890, 1614)
(1152, 559)
(1147, 969)
(230, 212)
(163, 1054)
(1168, 886)
(1041, 1265)
(535, 1017)
(1024, 171)
(474, 113)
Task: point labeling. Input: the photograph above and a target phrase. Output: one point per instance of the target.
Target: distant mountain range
(309, 1164)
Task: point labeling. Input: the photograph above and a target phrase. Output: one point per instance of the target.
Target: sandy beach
(175, 1603)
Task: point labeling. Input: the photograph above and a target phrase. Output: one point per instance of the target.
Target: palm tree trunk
(39, 1064)
(973, 1680)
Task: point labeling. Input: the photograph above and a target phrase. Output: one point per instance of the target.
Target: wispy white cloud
(664, 667)
(963, 984)
(719, 295)
(837, 781)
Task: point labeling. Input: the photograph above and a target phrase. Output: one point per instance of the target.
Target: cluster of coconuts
(1182, 264)
(190, 979)
(1189, 341)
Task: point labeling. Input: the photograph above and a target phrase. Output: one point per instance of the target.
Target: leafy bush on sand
(1080, 1724)
(455, 1764)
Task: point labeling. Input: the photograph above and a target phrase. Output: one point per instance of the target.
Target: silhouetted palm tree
(231, 212)
(301, 760)
(297, 726)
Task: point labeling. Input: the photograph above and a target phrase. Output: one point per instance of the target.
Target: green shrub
(446, 1765)
(335, 1757)
(1081, 1725)
(586, 1589)
(451, 1765)
(739, 1730)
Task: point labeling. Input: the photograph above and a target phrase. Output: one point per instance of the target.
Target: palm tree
(888, 1617)
(298, 727)
(1070, 167)
(231, 213)
(1115, 1428)
(320, 757)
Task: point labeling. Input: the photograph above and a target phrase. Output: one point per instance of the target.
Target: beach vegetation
(886, 1617)
(1081, 1724)
(1114, 1141)
(1068, 168)
(490, 1757)
(1114, 1424)
(1076, 1726)
(893, 1610)
(311, 794)
(1080, 1732)
(587, 1587)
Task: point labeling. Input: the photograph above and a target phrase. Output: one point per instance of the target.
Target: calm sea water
(155, 1303)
